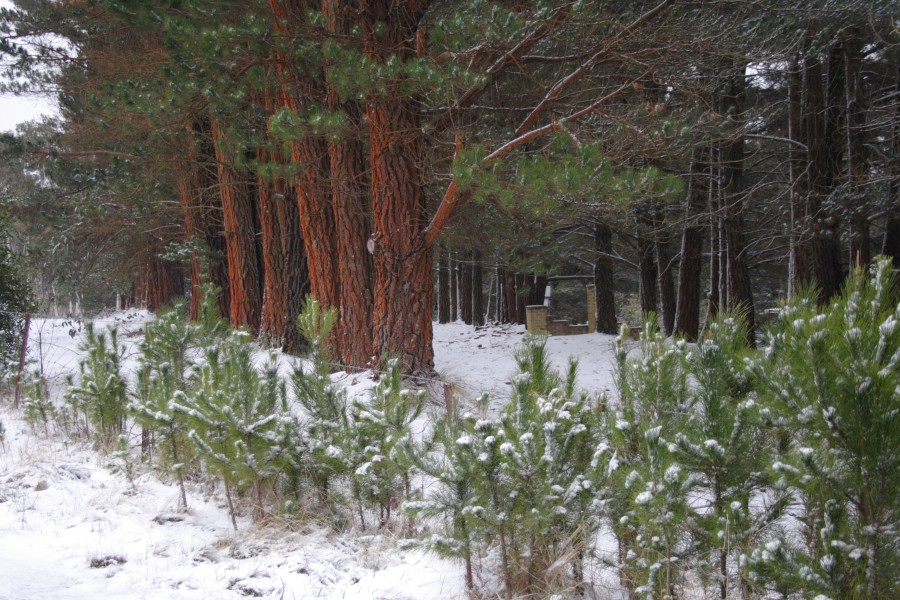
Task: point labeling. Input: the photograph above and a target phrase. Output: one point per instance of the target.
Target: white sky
(19, 109)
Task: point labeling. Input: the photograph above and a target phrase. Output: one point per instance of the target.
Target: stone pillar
(536, 317)
(591, 308)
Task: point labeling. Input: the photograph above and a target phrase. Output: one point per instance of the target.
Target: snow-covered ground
(74, 527)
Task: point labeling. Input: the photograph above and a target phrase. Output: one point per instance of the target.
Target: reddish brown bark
(349, 195)
(296, 272)
(272, 323)
(206, 214)
(300, 89)
(238, 217)
(403, 286)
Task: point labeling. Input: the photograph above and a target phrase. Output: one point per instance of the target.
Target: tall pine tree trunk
(240, 238)
(647, 264)
(604, 285)
(740, 295)
(824, 251)
(666, 286)
(857, 162)
(443, 269)
(464, 286)
(687, 312)
(296, 271)
(272, 323)
(477, 291)
(350, 193)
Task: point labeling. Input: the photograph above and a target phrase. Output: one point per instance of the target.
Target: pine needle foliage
(520, 483)
(649, 488)
(100, 394)
(234, 413)
(831, 383)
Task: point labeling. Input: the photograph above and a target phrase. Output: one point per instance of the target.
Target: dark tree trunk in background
(443, 269)
(740, 294)
(798, 262)
(465, 289)
(522, 290)
(857, 162)
(715, 297)
(537, 289)
(296, 272)
(647, 291)
(477, 290)
(452, 277)
(603, 279)
(240, 238)
(666, 285)
(824, 251)
(687, 312)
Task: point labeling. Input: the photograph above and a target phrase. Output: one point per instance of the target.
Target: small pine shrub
(233, 417)
(830, 381)
(379, 430)
(522, 483)
(38, 409)
(648, 503)
(100, 393)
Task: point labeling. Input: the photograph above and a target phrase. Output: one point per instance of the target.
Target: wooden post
(22, 360)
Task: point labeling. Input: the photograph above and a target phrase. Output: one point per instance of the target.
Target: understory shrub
(721, 471)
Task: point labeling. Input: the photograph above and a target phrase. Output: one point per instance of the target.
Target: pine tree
(831, 380)
(649, 490)
(100, 393)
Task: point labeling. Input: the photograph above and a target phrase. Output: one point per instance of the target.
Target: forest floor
(76, 525)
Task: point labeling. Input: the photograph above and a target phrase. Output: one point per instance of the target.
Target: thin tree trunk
(666, 286)
(604, 279)
(477, 291)
(443, 269)
(687, 311)
(798, 268)
(522, 291)
(296, 272)
(647, 290)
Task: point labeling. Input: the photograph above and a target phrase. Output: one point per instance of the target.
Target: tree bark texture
(240, 238)
(443, 273)
(404, 291)
(272, 322)
(296, 272)
(603, 279)
(687, 311)
(349, 197)
(824, 250)
(477, 290)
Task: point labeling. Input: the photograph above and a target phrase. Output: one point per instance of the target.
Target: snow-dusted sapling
(831, 378)
(99, 394)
